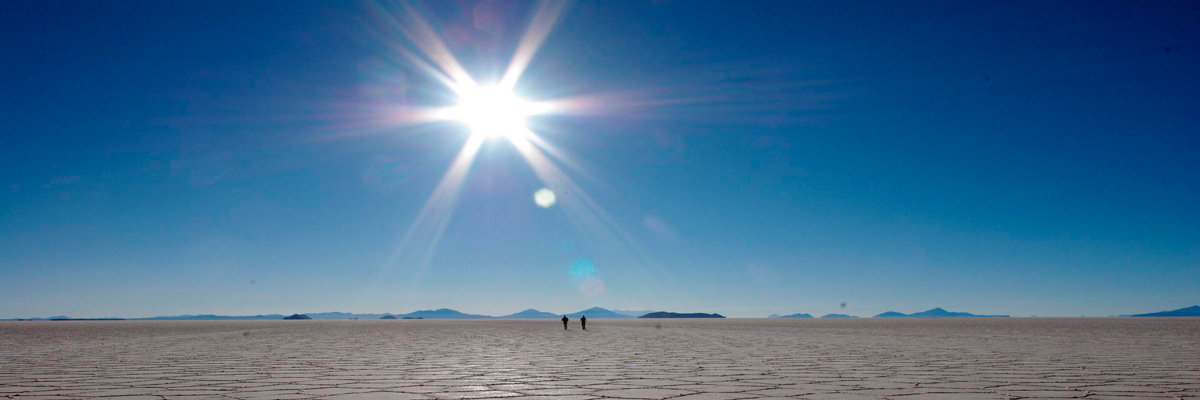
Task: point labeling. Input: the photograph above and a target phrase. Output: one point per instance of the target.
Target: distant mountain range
(441, 313)
(1193, 311)
(664, 314)
(594, 312)
(936, 313)
(211, 317)
(633, 313)
(342, 315)
(63, 318)
(806, 315)
(531, 314)
(597, 312)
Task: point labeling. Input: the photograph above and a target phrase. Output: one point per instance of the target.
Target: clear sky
(745, 158)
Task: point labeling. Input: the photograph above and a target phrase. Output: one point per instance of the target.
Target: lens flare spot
(592, 287)
(545, 198)
(583, 268)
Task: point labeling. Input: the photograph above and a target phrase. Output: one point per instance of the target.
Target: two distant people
(582, 321)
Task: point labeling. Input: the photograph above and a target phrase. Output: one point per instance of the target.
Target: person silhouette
(583, 321)
(564, 320)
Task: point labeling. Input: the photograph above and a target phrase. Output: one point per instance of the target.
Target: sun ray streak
(388, 26)
(435, 59)
(561, 156)
(544, 20)
(421, 34)
(423, 236)
(495, 111)
(426, 67)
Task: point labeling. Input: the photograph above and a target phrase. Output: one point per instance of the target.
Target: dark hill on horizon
(530, 314)
(345, 315)
(797, 315)
(937, 312)
(664, 314)
(633, 313)
(597, 312)
(1193, 311)
(891, 314)
(443, 313)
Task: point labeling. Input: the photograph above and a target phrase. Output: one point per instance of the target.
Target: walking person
(583, 321)
(564, 320)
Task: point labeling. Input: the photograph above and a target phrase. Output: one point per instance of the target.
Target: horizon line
(487, 316)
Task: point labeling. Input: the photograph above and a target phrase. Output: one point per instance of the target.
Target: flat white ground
(642, 359)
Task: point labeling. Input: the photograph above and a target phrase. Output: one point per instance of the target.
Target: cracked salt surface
(685, 359)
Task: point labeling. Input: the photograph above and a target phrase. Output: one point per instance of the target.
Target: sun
(492, 112)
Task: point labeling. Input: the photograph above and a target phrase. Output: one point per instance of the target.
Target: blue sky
(1026, 158)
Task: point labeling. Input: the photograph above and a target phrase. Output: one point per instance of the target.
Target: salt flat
(640, 359)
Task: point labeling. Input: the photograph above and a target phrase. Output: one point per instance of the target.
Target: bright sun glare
(495, 111)
(492, 112)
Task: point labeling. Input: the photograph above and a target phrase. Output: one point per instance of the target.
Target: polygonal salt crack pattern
(623, 359)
